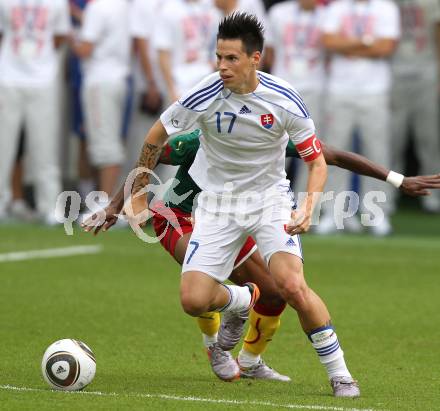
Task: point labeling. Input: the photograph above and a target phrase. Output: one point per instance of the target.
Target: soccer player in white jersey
(28, 95)
(414, 93)
(360, 35)
(246, 118)
(104, 47)
(182, 36)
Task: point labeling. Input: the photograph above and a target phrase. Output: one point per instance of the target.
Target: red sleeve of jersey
(309, 149)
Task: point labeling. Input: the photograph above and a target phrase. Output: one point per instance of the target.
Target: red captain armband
(309, 149)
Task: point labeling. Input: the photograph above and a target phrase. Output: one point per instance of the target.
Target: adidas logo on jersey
(290, 243)
(244, 110)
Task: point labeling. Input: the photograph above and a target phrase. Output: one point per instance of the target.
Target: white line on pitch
(50, 253)
(190, 399)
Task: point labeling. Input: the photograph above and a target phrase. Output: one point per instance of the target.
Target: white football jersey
(350, 18)
(244, 135)
(106, 25)
(27, 52)
(295, 33)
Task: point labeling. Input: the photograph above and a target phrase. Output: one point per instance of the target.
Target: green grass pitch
(384, 296)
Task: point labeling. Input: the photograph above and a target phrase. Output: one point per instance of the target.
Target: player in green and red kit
(249, 265)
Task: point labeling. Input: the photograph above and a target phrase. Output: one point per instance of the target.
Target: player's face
(237, 69)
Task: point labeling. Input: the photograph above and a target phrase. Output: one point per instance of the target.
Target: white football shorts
(219, 234)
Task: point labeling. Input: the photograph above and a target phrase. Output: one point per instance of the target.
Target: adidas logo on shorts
(244, 110)
(290, 243)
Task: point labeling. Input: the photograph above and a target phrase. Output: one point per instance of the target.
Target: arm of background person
(165, 67)
(60, 40)
(380, 48)
(142, 47)
(337, 43)
(93, 28)
(354, 47)
(83, 49)
(61, 25)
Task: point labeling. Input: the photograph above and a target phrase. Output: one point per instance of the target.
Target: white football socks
(239, 298)
(247, 359)
(208, 340)
(326, 344)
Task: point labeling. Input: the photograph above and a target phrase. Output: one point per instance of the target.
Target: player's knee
(192, 304)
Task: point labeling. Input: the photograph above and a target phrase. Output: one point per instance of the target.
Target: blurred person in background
(31, 30)
(86, 180)
(104, 48)
(182, 39)
(249, 6)
(182, 36)
(294, 53)
(19, 208)
(415, 89)
(147, 101)
(361, 35)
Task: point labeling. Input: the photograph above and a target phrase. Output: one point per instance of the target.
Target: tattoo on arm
(149, 158)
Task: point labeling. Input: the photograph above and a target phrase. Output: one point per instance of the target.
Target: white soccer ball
(68, 365)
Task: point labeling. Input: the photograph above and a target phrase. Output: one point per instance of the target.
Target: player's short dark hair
(245, 27)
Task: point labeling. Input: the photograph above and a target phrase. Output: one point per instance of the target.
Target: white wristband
(395, 179)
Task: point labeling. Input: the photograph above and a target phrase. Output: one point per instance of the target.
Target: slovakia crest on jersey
(267, 120)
